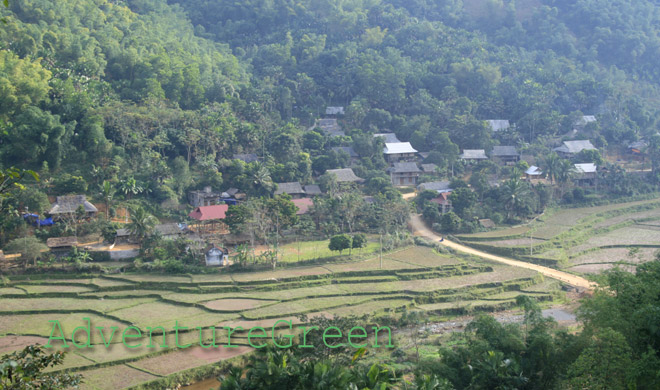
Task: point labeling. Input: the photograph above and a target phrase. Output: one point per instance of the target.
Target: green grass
(312, 250)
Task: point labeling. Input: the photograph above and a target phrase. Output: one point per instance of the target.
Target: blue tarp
(34, 219)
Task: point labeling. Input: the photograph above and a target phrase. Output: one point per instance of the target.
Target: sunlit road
(420, 229)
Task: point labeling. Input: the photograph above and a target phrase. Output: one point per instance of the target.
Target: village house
(404, 173)
(569, 149)
(209, 215)
(303, 205)
(61, 246)
(354, 157)
(533, 173)
(124, 236)
(330, 127)
(246, 157)
(170, 231)
(497, 125)
(443, 202)
(390, 138)
(585, 174)
(292, 188)
(216, 256)
(506, 154)
(345, 176)
(69, 205)
(473, 155)
(334, 111)
(581, 123)
(429, 168)
(312, 190)
(205, 197)
(399, 152)
(437, 186)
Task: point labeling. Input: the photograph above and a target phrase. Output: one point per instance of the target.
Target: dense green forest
(111, 90)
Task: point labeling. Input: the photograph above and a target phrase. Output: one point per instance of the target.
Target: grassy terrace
(581, 240)
(416, 277)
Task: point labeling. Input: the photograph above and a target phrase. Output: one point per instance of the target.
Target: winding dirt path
(420, 229)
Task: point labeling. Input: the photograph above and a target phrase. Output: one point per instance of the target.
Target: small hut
(61, 246)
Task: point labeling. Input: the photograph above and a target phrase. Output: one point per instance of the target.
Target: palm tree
(514, 194)
(261, 180)
(142, 223)
(107, 192)
(551, 166)
(564, 174)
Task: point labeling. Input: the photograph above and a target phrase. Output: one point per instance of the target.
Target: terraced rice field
(581, 240)
(413, 277)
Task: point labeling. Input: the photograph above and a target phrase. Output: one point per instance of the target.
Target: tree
(462, 200)
(107, 193)
(30, 249)
(359, 241)
(12, 177)
(130, 187)
(605, 364)
(24, 370)
(515, 195)
(340, 242)
(142, 223)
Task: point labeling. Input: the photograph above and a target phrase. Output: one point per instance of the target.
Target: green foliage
(340, 242)
(24, 370)
(69, 184)
(30, 249)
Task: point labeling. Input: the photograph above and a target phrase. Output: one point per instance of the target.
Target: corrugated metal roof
(289, 188)
(390, 138)
(504, 151)
(399, 148)
(405, 167)
(498, 124)
(474, 154)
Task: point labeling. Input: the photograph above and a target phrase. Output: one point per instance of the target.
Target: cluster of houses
(405, 168)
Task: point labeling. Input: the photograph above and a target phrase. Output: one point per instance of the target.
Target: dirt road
(420, 229)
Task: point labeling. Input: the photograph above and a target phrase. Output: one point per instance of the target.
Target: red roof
(443, 198)
(207, 213)
(303, 205)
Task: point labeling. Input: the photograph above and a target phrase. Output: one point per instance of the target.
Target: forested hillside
(119, 85)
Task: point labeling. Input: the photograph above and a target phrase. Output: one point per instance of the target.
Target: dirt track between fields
(420, 229)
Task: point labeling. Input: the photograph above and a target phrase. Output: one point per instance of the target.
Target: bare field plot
(114, 377)
(54, 288)
(599, 268)
(303, 305)
(236, 304)
(14, 343)
(613, 255)
(170, 363)
(516, 242)
(279, 274)
(423, 257)
(103, 282)
(368, 307)
(367, 265)
(164, 314)
(513, 231)
(465, 304)
(631, 235)
(38, 324)
(152, 278)
(11, 291)
(73, 304)
(209, 278)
